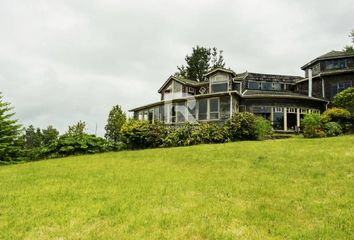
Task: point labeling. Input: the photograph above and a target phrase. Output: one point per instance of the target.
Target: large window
(338, 87)
(336, 64)
(253, 85)
(202, 109)
(191, 108)
(219, 83)
(180, 112)
(214, 108)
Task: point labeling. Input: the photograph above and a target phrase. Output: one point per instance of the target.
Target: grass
(281, 189)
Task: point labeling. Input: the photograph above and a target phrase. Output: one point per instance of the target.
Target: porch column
(298, 117)
(230, 106)
(272, 116)
(285, 114)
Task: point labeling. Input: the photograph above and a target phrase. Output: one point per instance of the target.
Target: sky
(69, 60)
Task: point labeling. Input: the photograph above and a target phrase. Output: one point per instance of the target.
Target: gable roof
(330, 55)
(221, 70)
(181, 80)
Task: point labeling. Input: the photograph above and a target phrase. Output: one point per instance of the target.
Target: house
(283, 99)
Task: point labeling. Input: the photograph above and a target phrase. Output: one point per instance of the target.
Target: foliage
(49, 135)
(33, 137)
(332, 129)
(136, 134)
(339, 115)
(77, 145)
(263, 128)
(286, 189)
(200, 62)
(10, 135)
(242, 126)
(116, 119)
(311, 126)
(76, 129)
(350, 48)
(345, 99)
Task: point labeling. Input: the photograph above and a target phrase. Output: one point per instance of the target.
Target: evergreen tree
(200, 62)
(33, 137)
(116, 119)
(50, 134)
(10, 138)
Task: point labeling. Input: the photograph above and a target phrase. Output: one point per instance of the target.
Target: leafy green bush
(345, 99)
(332, 129)
(137, 134)
(311, 126)
(76, 145)
(263, 128)
(242, 126)
(339, 115)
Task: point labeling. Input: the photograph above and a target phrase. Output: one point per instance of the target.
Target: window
(180, 111)
(219, 83)
(237, 86)
(146, 115)
(173, 114)
(191, 90)
(156, 114)
(277, 86)
(141, 117)
(253, 85)
(291, 110)
(202, 109)
(268, 86)
(336, 64)
(278, 109)
(191, 108)
(202, 90)
(214, 108)
(338, 87)
(219, 87)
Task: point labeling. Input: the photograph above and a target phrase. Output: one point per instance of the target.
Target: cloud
(64, 61)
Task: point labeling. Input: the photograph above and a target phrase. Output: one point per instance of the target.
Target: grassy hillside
(281, 189)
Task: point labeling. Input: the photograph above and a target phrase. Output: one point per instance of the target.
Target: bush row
(137, 134)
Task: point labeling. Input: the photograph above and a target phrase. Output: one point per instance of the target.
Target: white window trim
(218, 82)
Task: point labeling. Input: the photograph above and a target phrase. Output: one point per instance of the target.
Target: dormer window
(219, 83)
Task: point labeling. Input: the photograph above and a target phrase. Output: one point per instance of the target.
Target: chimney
(310, 82)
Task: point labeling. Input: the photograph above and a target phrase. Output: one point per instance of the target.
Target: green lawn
(281, 189)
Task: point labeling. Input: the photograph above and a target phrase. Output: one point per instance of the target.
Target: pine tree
(10, 138)
(116, 119)
(200, 62)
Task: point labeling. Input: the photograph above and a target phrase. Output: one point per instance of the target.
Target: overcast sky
(66, 60)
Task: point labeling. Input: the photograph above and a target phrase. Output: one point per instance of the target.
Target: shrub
(179, 136)
(332, 129)
(263, 128)
(311, 125)
(345, 99)
(137, 134)
(75, 145)
(339, 115)
(209, 133)
(242, 126)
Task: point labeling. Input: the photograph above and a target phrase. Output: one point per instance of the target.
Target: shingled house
(282, 99)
